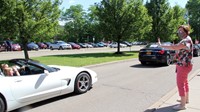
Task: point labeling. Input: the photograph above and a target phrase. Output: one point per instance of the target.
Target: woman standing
(183, 64)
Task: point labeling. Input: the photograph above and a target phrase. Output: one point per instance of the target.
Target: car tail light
(161, 51)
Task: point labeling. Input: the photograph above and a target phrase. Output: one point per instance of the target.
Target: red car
(11, 46)
(16, 47)
(74, 46)
(42, 45)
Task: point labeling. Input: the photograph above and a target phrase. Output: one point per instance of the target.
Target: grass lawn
(79, 60)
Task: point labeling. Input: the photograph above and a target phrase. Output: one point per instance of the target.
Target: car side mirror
(46, 72)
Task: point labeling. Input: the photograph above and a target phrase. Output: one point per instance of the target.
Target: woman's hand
(159, 41)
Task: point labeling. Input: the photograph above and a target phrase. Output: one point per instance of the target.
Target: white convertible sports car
(38, 82)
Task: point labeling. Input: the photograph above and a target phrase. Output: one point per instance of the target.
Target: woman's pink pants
(181, 79)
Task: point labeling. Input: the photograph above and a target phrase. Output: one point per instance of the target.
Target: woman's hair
(3, 66)
(186, 28)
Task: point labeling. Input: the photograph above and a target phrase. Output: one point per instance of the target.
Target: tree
(31, 19)
(158, 11)
(119, 20)
(8, 24)
(142, 24)
(165, 19)
(75, 22)
(91, 26)
(193, 7)
(36, 18)
(175, 18)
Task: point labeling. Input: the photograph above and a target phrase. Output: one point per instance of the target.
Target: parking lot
(44, 52)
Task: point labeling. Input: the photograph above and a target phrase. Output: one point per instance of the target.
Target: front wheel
(60, 48)
(2, 105)
(143, 62)
(51, 48)
(82, 83)
(168, 60)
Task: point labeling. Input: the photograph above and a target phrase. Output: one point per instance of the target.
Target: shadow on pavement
(163, 109)
(147, 66)
(45, 102)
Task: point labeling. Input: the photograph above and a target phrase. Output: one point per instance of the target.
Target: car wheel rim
(168, 60)
(83, 83)
(2, 106)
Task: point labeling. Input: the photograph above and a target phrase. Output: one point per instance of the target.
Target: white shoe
(179, 107)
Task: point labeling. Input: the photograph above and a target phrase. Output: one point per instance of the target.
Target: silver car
(60, 45)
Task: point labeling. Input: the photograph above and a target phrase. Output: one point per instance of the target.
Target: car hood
(32, 45)
(74, 70)
(15, 44)
(64, 44)
(69, 68)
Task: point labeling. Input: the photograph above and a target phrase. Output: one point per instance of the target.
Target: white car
(38, 82)
(60, 45)
(88, 45)
(115, 45)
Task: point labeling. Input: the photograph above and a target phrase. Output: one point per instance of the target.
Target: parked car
(74, 45)
(154, 53)
(48, 44)
(99, 44)
(2, 46)
(88, 45)
(42, 45)
(60, 45)
(127, 43)
(94, 45)
(115, 44)
(12, 46)
(32, 46)
(40, 82)
(82, 45)
(16, 47)
(104, 44)
(139, 43)
(196, 50)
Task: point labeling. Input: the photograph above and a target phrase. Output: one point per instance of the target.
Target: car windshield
(167, 43)
(11, 42)
(152, 46)
(156, 45)
(61, 42)
(22, 62)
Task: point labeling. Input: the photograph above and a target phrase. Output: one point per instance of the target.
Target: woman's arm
(159, 41)
(16, 71)
(175, 47)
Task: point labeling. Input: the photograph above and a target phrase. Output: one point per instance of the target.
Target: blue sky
(87, 3)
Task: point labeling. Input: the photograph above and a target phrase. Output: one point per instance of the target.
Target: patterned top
(184, 56)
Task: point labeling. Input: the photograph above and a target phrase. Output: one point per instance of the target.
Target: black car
(154, 53)
(196, 50)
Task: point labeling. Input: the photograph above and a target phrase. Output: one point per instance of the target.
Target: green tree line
(109, 20)
(28, 20)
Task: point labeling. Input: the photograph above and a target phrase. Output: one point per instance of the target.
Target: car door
(35, 87)
(54, 45)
